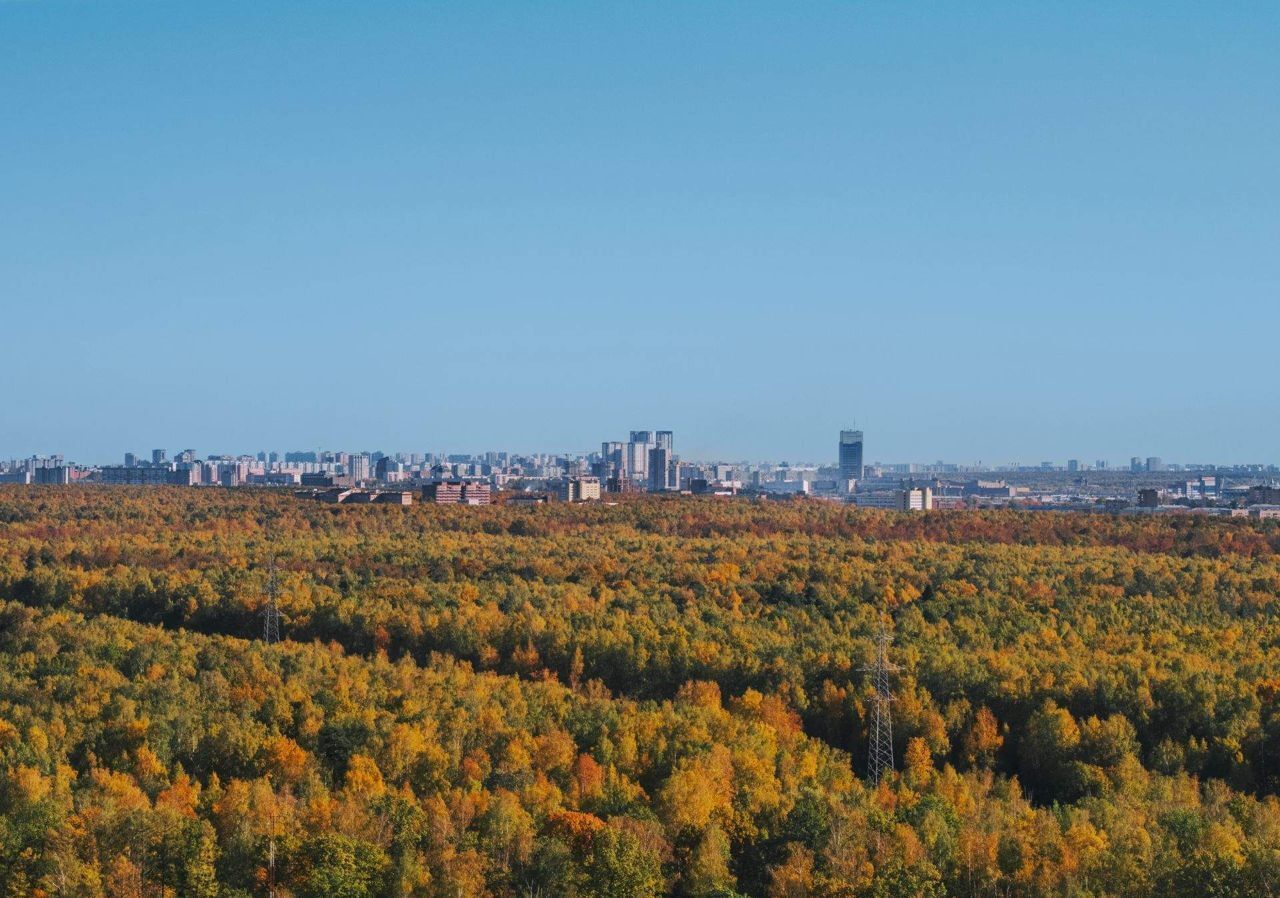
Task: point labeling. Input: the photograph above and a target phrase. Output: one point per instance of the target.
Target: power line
(271, 851)
(880, 743)
(271, 611)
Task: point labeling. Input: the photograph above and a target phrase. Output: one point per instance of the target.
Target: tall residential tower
(850, 455)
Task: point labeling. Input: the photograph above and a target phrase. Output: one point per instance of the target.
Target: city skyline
(837, 460)
(648, 463)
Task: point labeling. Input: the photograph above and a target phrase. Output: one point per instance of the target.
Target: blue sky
(988, 231)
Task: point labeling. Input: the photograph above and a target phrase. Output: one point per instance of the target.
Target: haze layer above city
(995, 233)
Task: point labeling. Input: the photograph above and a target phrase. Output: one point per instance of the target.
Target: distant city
(647, 461)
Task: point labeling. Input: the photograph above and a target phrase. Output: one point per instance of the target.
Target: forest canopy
(659, 697)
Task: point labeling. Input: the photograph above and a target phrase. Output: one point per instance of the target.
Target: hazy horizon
(1006, 233)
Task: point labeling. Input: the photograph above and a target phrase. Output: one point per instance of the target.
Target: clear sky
(1021, 231)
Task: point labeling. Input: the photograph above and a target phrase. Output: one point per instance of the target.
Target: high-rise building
(358, 467)
(388, 470)
(628, 463)
(157, 456)
(1135, 465)
(1154, 463)
(636, 460)
(1073, 465)
(130, 460)
(850, 455)
(611, 459)
(659, 469)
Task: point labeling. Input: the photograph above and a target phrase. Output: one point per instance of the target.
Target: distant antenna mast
(271, 612)
(880, 747)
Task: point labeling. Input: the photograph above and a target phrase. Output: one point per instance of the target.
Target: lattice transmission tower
(271, 853)
(271, 611)
(880, 743)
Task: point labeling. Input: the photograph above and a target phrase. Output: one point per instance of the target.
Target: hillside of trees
(660, 697)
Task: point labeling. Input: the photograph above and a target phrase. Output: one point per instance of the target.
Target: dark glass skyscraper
(851, 455)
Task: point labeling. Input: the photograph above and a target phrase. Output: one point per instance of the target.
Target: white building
(915, 499)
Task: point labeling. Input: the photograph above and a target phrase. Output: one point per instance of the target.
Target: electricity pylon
(880, 743)
(271, 611)
(271, 851)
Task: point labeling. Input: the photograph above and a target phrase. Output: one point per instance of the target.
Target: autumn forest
(662, 697)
